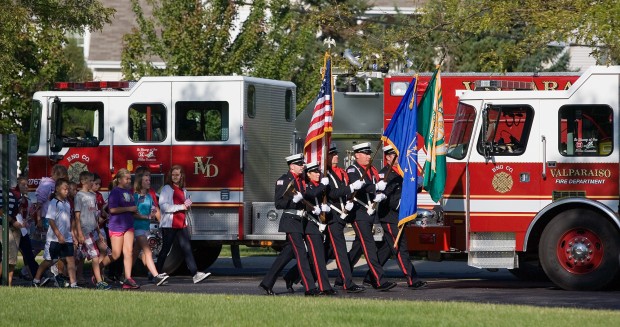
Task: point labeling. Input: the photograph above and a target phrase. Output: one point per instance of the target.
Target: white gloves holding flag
(297, 197)
(380, 186)
(380, 197)
(325, 181)
(316, 211)
(325, 208)
(370, 211)
(322, 227)
(348, 206)
(356, 185)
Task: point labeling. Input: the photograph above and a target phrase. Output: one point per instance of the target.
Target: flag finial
(329, 42)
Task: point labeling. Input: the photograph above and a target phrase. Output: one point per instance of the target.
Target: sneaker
(44, 281)
(74, 286)
(200, 276)
(161, 279)
(54, 270)
(36, 283)
(129, 283)
(103, 286)
(59, 281)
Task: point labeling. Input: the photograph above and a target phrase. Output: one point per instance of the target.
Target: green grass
(53, 307)
(247, 251)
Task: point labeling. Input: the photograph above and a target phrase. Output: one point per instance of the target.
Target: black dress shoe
(330, 292)
(418, 284)
(386, 286)
(267, 290)
(356, 289)
(314, 292)
(368, 282)
(338, 286)
(289, 286)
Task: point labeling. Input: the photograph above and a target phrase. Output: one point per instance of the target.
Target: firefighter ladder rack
(492, 250)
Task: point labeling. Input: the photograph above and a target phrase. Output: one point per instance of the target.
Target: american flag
(319, 131)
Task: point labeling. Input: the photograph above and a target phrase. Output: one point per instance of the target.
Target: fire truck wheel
(205, 254)
(579, 251)
(529, 269)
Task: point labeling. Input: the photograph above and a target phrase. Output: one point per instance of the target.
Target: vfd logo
(205, 167)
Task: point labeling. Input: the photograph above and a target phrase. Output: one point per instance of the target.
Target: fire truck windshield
(460, 137)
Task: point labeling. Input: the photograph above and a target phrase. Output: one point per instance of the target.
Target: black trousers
(338, 245)
(182, 235)
(386, 250)
(294, 248)
(363, 232)
(26, 249)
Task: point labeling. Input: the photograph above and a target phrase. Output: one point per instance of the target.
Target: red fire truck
(230, 134)
(533, 182)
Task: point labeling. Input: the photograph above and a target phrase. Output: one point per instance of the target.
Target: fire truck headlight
(272, 215)
(398, 88)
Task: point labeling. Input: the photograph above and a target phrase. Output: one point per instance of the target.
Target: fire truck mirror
(56, 125)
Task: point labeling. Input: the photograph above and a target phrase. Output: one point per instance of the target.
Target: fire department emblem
(75, 169)
(502, 182)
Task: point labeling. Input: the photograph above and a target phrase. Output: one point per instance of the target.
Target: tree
(32, 39)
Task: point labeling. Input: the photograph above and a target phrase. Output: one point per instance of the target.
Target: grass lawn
(53, 307)
(248, 251)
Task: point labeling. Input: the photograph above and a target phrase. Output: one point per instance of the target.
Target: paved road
(448, 281)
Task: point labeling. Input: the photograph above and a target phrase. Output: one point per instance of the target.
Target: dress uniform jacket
(366, 194)
(388, 209)
(339, 193)
(314, 194)
(291, 221)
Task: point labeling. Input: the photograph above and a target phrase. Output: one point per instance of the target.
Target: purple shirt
(119, 198)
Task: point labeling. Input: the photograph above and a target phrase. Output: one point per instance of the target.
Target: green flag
(430, 127)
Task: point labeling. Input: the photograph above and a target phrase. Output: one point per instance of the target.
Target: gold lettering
(550, 85)
(467, 85)
(568, 85)
(206, 168)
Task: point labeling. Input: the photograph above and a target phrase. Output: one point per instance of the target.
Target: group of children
(81, 226)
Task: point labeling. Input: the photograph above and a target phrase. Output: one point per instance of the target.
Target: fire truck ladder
(492, 250)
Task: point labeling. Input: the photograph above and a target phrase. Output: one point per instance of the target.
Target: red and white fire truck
(533, 177)
(230, 134)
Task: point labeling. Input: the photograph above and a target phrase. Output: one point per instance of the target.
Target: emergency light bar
(90, 86)
(481, 85)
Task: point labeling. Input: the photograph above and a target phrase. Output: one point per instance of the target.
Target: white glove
(325, 208)
(325, 181)
(380, 186)
(316, 211)
(356, 185)
(322, 227)
(380, 197)
(348, 206)
(297, 197)
(370, 211)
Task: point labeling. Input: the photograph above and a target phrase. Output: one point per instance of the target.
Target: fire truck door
(504, 173)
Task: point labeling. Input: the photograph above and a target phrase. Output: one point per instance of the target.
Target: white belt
(300, 213)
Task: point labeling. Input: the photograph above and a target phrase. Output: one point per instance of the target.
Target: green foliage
(33, 56)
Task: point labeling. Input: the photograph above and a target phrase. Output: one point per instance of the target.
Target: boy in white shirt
(59, 244)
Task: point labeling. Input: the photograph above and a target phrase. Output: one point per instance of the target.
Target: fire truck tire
(205, 254)
(529, 269)
(579, 251)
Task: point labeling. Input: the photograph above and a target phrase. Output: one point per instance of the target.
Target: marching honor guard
(339, 192)
(388, 216)
(364, 213)
(289, 195)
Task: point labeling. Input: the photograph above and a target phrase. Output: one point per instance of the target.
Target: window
(35, 127)
(201, 121)
(585, 130)
(461, 131)
(251, 101)
(505, 130)
(147, 122)
(288, 106)
(81, 124)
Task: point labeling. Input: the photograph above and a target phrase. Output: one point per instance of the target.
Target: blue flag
(401, 133)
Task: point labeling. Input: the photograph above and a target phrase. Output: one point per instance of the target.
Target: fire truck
(230, 134)
(533, 177)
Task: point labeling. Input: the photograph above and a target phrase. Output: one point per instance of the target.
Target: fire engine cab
(230, 134)
(533, 176)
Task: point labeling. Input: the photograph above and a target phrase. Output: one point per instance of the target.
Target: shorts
(89, 248)
(141, 232)
(14, 236)
(120, 234)
(58, 251)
